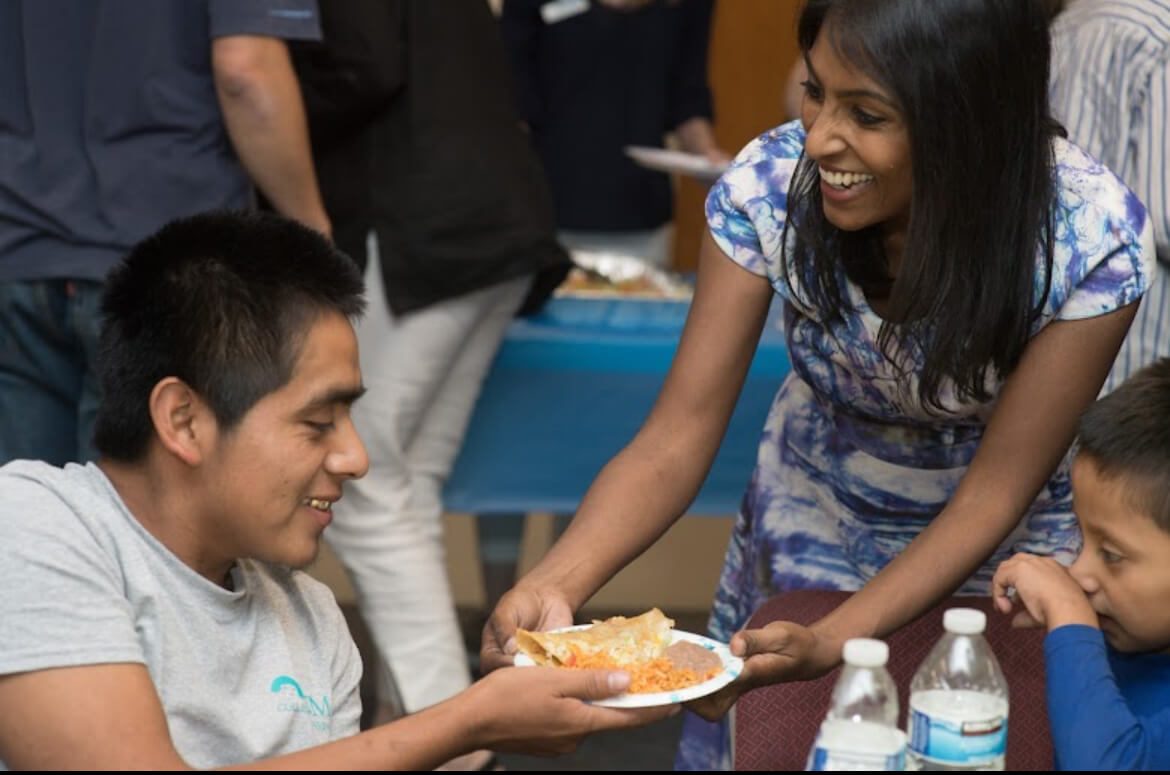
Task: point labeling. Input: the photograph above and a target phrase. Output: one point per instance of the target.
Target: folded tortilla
(624, 641)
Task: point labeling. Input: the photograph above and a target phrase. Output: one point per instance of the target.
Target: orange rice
(655, 675)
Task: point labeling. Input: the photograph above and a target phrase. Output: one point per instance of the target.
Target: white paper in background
(559, 10)
(666, 160)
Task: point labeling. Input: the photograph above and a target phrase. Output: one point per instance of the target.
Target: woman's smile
(844, 187)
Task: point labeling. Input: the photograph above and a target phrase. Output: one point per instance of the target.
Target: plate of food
(599, 274)
(666, 665)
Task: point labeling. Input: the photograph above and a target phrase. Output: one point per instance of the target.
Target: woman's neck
(894, 246)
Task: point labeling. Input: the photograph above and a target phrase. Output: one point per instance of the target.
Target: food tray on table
(618, 292)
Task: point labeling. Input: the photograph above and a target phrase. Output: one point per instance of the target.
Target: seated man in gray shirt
(153, 616)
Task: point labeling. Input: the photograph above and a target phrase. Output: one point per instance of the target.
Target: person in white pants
(422, 372)
(432, 186)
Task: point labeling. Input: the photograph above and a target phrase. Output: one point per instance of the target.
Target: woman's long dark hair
(971, 79)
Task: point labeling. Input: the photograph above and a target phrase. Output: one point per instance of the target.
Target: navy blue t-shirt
(593, 83)
(1107, 710)
(110, 126)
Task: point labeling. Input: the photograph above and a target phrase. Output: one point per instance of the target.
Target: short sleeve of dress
(1104, 256)
(747, 206)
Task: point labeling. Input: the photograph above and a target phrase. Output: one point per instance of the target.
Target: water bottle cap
(964, 621)
(866, 652)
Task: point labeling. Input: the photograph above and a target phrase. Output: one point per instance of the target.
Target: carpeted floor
(649, 748)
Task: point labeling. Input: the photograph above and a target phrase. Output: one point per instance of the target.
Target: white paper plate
(666, 160)
(732, 666)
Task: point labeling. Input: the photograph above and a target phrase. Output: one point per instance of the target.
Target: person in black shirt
(616, 73)
(424, 170)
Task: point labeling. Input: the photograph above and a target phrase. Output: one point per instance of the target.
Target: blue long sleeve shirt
(1107, 710)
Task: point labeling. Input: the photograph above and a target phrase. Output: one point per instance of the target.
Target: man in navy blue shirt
(115, 118)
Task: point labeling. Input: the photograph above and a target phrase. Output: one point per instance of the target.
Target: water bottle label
(825, 759)
(966, 740)
(853, 745)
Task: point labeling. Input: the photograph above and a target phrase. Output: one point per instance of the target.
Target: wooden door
(753, 46)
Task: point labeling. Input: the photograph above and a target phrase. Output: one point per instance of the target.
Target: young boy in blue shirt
(1108, 615)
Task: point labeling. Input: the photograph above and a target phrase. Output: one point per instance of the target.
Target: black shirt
(593, 83)
(414, 130)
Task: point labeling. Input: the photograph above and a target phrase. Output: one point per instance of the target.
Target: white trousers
(423, 372)
(1149, 334)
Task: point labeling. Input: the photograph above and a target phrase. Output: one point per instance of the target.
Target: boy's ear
(183, 422)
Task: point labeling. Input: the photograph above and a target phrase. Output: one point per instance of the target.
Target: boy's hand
(1050, 596)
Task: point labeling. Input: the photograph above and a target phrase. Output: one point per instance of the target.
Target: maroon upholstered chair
(775, 725)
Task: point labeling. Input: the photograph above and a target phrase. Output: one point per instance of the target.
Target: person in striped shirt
(1110, 87)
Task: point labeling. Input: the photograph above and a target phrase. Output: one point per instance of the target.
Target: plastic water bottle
(958, 700)
(860, 730)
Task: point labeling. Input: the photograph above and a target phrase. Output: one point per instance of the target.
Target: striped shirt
(1111, 89)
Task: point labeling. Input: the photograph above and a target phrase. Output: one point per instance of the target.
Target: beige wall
(677, 574)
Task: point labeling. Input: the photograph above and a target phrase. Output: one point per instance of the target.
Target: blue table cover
(570, 387)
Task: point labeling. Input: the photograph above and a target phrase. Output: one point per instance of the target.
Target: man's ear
(183, 422)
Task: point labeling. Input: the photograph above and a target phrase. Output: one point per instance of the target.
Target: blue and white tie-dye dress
(851, 465)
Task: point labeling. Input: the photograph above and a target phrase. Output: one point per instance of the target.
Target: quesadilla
(623, 641)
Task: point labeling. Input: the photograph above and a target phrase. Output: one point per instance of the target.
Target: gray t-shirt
(266, 669)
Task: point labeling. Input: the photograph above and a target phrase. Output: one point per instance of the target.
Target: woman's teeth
(317, 503)
(843, 179)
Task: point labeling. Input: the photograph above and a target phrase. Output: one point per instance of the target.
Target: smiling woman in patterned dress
(956, 279)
